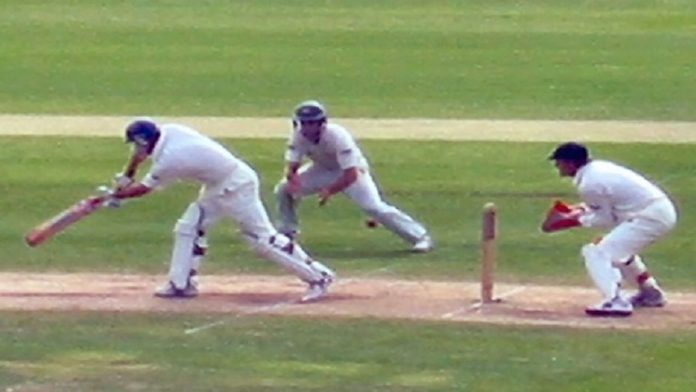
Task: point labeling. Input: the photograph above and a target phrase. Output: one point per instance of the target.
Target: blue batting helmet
(309, 111)
(143, 133)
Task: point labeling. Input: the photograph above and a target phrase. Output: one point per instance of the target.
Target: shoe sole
(649, 305)
(422, 250)
(640, 303)
(607, 313)
(314, 298)
(175, 296)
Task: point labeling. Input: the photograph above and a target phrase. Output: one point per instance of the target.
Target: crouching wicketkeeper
(636, 212)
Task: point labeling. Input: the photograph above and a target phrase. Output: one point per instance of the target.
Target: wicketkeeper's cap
(570, 151)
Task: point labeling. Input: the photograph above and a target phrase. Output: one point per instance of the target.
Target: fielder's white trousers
(364, 192)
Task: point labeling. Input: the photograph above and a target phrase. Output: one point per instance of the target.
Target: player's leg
(245, 207)
(365, 193)
(608, 280)
(181, 268)
(211, 217)
(649, 292)
(624, 243)
(312, 179)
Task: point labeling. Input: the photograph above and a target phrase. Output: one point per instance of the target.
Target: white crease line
(339, 282)
(262, 309)
(479, 304)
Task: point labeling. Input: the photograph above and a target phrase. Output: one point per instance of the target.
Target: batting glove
(121, 180)
(107, 193)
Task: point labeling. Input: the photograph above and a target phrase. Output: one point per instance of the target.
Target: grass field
(475, 59)
(447, 59)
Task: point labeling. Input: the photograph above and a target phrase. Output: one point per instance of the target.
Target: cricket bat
(66, 218)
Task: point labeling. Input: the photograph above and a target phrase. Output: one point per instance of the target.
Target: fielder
(230, 189)
(337, 165)
(636, 212)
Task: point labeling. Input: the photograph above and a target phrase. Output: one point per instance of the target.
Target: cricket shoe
(292, 234)
(649, 297)
(616, 307)
(169, 290)
(423, 245)
(318, 289)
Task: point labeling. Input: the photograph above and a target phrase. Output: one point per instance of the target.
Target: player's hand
(121, 180)
(106, 196)
(561, 216)
(324, 196)
(294, 184)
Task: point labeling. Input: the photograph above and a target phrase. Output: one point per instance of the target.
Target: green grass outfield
(622, 59)
(94, 352)
(442, 59)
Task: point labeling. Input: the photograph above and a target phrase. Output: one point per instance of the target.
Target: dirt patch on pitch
(349, 297)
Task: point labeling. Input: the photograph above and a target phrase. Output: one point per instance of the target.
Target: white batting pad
(185, 234)
(289, 255)
(599, 266)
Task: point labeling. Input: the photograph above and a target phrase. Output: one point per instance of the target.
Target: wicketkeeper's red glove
(561, 216)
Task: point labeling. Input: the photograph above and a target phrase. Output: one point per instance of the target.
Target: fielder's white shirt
(336, 149)
(183, 153)
(613, 193)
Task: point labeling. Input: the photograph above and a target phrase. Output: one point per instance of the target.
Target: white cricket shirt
(182, 153)
(336, 149)
(613, 193)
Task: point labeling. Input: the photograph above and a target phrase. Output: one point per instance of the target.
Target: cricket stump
(489, 233)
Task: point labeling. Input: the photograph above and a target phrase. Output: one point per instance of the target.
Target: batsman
(636, 213)
(230, 188)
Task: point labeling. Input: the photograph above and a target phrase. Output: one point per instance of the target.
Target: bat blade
(64, 219)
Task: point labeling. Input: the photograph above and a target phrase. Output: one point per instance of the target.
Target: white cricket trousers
(238, 198)
(363, 192)
(633, 235)
(607, 260)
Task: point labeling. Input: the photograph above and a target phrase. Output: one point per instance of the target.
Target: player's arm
(348, 158)
(293, 160)
(159, 176)
(349, 176)
(126, 178)
(598, 214)
(136, 189)
(292, 177)
(291, 169)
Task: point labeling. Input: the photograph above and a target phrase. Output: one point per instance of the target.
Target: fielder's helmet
(309, 111)
(143, 133)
